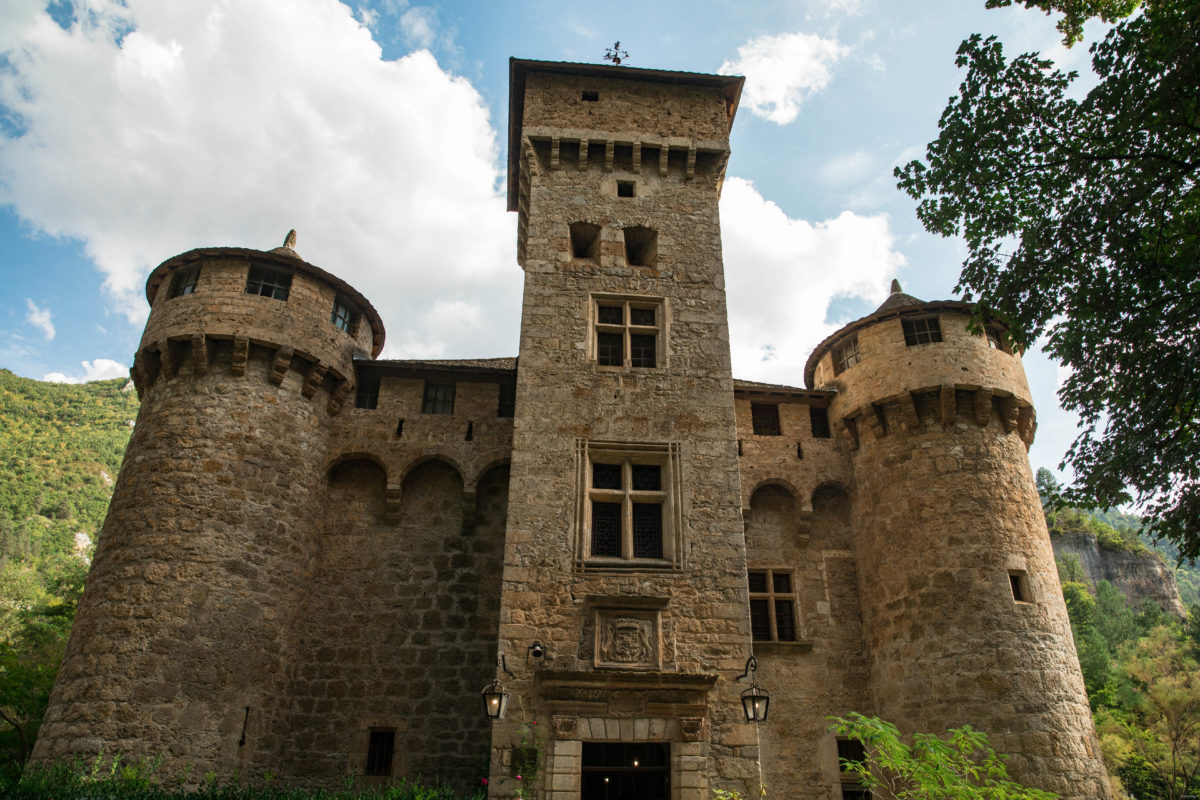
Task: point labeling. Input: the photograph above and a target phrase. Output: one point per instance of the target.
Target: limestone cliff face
(1139, 576)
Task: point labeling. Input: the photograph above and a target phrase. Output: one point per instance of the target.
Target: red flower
(483, 781)
(518, 777)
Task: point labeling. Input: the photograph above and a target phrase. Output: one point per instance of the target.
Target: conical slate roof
(897, 299)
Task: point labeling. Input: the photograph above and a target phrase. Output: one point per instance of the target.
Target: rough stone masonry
(314, 557)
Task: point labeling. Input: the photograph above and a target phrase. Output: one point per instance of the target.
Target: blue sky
(135, 130)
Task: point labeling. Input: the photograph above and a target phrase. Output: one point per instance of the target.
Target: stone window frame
(627, 329)
(849, 786)
(846, 354)
(269, 282)
(184, 281)
(437, 397)
(343, 316)
(773, 596)
(666, 455)
(764, 419)
(1018, 584)
(921, 330)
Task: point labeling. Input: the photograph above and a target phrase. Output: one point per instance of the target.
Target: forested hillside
(61, 447)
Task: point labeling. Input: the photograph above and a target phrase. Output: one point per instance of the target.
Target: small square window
(184, 281)
(772, 605)
(765, 419)
(439, 398)
(995, 338)
(819, 420)
(1019, 582)
(272, 283)
(585, 240)
(625, 188)
(845, 355)
(380, 749)
(923, 330)
(342, 316)
(641, 247)
(507, 405)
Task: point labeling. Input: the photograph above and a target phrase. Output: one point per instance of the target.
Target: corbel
(850, 430)
(583, 150)
(312, 380)
(554, 147)
(170, 361)
(1009, 413)
(908, 411)
(1027, 424)
(199, 354)
(690, 172)
(279, 367)
(663, 152)
(610, 149)
(637, 157)
(337, 397)
(241, 354)
(949, 406)
(983, 407)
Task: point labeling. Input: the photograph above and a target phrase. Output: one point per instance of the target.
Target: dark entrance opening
(626, 771)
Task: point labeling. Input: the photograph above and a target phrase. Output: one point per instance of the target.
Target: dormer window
(273, 283)
(342, 316)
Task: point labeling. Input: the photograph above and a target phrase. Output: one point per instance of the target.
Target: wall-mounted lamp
(755, 700)
(495, 696)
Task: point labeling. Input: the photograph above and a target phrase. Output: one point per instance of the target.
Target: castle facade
(316, 559)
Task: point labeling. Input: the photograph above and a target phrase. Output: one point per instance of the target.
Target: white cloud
(99, 370)
(227, 124)
(40, 319)
(846, 168)
(783, 273)
(419, 26)
(782, 71)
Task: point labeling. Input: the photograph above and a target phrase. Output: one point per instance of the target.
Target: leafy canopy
(1082, 220)
(1076, 12)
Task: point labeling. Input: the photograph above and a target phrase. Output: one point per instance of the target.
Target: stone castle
(316, 559)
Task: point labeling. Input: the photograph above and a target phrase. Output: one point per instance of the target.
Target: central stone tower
(625, 553)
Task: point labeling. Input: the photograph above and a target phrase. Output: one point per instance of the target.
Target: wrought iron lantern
(756, 701)
(495, 700)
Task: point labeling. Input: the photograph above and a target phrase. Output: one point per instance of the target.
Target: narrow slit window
(380, 749)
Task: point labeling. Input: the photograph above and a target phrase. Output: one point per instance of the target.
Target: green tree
(1076, 12)
(961, 765)
(1082, 223)
(1154, 735)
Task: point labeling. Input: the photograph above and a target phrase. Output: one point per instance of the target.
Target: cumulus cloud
(99, 370)
(846, 168)
(783, 273)
(419, 26)
(40, 319)
(228, 124)
(782, 71)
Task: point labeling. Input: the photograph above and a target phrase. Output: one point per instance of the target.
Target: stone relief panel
(627, 639)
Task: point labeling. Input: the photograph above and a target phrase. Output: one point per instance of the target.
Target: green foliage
(116, 779)
(1082, 223)
(63, 446)
(1076, 12)
(962, 765)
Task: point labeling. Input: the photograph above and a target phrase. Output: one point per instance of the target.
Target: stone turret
(179, 648)
(962, 611)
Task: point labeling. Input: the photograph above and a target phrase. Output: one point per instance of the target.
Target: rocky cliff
(1139, 575)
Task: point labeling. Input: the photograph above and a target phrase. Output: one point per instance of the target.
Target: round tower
(962, 611)
(177, 649)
